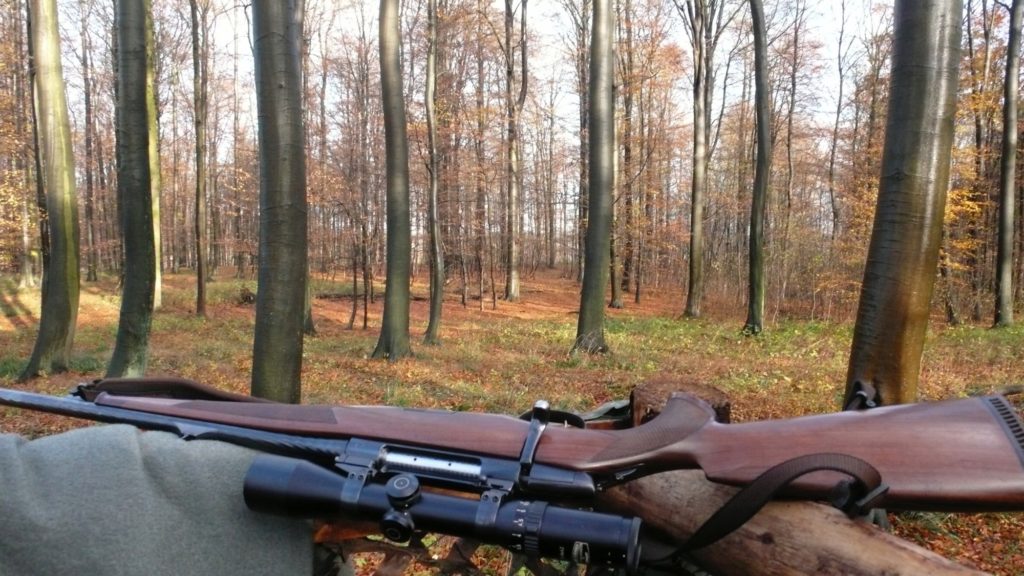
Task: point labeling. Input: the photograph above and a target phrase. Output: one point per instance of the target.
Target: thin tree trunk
(480, 206)
(900, 274)
(583, 82)
(614, 266)
(628, 90)
(26, 277)
(199, 85)
(700, 17)
(298, 20)
(156, 181)
(833, 197)
(90, 134)
(980, 185)
(283, 267)
(134, 189)
(590, 328)
(394, 334)
(433, 223)
(755, 298)
(794, 63)
(239, 255)
(514, 108)
(1007, 173)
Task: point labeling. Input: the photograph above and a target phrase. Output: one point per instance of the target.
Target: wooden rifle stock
(955, 455)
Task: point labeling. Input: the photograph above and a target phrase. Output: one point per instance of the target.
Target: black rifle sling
(854, 498)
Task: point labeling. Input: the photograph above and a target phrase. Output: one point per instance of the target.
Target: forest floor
(503, 358)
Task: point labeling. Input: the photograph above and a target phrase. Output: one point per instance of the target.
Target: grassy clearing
(502, 360)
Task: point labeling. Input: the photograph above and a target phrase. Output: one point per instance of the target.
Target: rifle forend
(954, 455)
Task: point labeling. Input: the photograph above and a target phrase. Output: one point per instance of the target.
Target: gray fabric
(111, 500)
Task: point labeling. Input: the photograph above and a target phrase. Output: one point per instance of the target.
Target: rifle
(531, 484)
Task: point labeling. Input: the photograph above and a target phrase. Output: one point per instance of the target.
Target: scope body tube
(297, 488)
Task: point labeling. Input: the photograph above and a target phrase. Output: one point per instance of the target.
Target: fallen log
(784, 538)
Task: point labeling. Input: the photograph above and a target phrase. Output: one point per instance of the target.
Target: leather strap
(161, 387)
(854, 498)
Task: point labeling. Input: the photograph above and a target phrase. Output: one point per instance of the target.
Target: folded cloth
(114, 501)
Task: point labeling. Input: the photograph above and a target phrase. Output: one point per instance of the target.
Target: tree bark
(755, 297)
(590, 328)
(900, 273)
(283, 270)
(480, 223)
(155, 179)
(433, 223)
(698, 185)
(394, 333)
(629, 90)
(513, 109)
(90, 134)
(59, 221)
(1008, 173)
(980, 185)
(199, 91)
(581, 16)
(134, 191)
(704, 25)
(833, 197)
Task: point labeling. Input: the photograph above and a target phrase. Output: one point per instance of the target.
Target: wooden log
(784, 538)
(649, 398)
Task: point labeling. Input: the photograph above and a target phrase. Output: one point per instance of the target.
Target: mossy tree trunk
(903, 255)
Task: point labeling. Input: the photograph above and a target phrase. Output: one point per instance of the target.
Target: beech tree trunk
(433, 223)
(394, 333)
(513, 110)
(702, 19)
(759, 198)
(199, 91)
(1008, 173)
(155, 179)
(59, 220)
(590, 328)
(134, 191)
(283, 270)
(899, 276)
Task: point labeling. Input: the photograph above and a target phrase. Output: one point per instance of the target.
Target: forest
(827, 80)
(309, 186)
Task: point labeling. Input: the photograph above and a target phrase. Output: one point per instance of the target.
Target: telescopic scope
(297, 488)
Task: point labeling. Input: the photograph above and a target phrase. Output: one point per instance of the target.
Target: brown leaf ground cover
(502, 359)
